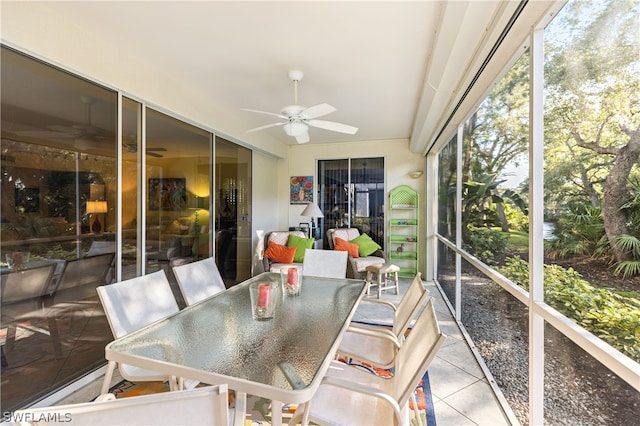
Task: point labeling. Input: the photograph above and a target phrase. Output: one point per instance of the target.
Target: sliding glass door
(352, 194)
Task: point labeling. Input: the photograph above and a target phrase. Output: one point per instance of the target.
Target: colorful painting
(167, 194)
(301, 189)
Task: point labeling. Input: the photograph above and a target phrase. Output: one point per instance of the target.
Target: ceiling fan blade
(157, 149)
(317, 111)
(266, 126)
(303, 138)
(334, 127)
(264, 112)
(44, 134)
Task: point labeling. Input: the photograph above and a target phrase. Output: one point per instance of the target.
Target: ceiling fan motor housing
(292, 111)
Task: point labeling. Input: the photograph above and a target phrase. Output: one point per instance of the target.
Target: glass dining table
(218, 341)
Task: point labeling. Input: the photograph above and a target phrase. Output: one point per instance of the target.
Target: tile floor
(461, 391)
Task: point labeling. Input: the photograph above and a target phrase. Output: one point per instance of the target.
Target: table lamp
(312, 211)
(95, 208)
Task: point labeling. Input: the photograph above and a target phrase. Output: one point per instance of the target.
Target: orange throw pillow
(279, 253)
(344, 245)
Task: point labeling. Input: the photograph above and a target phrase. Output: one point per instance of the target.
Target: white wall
(268, 212)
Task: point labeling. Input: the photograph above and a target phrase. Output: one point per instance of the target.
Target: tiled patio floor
(461, 392)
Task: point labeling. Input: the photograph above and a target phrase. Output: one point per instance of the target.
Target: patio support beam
(536, 231)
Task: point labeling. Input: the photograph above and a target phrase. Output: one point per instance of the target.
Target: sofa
(362, 250)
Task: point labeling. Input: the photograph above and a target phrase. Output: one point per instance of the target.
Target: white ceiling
(393, 69)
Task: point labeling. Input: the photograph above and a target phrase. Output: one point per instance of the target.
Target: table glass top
(220, 336)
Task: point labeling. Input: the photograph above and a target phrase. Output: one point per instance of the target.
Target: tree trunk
(504, 223)
(616, 194)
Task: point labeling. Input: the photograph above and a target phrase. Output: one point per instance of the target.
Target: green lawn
(518, 241)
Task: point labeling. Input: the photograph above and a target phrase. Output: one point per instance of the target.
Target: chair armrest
(382, 302)
(380, 253)
(266, 263)
(367, 390)
(377, 332)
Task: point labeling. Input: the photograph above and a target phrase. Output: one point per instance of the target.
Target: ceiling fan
(84, 134)
(296, 119)
(83, 129)
(133, 147)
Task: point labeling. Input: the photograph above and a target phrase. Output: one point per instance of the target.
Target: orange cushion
(279, 253)
(344, 245)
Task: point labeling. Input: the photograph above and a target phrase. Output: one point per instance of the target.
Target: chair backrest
(26, 284)
(201, 406)
(198, 280)
(22, 291)
(281, 237)
(101, 247)
(134, 303)
(325, 263)
(81, 276)
(409, 305)
(416, 353)
(346, 234)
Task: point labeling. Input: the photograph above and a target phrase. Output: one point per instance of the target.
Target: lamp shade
(202, 203)
(96, 206)
(312, 210)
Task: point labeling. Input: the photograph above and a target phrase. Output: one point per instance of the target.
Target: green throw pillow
(301, 245)
(366, 245)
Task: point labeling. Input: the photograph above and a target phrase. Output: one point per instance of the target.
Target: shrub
(615, 318)
(484, 243)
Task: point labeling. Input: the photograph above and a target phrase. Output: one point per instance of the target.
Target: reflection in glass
(131, 172)
(58, 160)
(232, 211)
(177, 188)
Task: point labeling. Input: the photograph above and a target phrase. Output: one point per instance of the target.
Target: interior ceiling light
(295, 128)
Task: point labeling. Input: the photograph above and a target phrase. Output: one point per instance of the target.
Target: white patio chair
(325, 263)
(198, 280)
(203, 406)
(379, 346)
(351, 396)
(80, 278)
(22, 293)
(132, 304)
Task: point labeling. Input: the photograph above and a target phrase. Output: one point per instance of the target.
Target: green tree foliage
(592, 121)
(613, 317)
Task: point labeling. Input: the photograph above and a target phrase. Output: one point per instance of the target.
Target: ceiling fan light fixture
(295, 128)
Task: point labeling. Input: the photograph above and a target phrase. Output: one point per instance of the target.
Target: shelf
(405, 255)
(408, 272)
(403, 206)
(398, 239)
(403, 222)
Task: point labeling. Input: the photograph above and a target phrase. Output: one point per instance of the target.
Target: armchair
(356, 267)
(278, 237)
